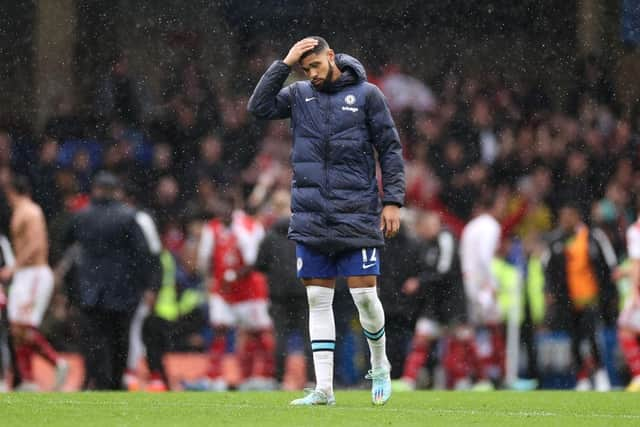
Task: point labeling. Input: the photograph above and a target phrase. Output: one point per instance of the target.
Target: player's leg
(43, 281)
(254, 318)
(322, 330)
(601, 380)
(119, 342)
(630, 346)
(318, 272)
(361, 268)
(136, 347)
(96, 328)
(156, 332)
(222, 320)
(24, 354)
(279, 313)
(426, 330)
(460, 357)
(19, 299)
(298, 355)
(29, 297)
(16, 379)
(583, 383)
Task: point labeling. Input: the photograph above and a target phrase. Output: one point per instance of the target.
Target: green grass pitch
(353, 409)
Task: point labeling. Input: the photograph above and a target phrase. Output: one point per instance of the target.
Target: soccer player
(440, 293)
(479, 244)
(6, 259)
(629, 321)
(227, 251)
(31, 283)
(339, 121)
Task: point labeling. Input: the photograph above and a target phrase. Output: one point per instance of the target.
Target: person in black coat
(400, 262)
(339, 123)
(579, 289)
(118, 261)
(288, 299)
(438, 292)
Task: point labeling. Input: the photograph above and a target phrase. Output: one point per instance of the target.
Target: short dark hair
(487, 198)
(21, 185)
(320, 47)
(571, 204)
(106, 180)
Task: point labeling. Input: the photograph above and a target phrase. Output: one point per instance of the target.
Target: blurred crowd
(464, 136)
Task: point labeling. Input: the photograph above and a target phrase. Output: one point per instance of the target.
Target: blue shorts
(312, 264)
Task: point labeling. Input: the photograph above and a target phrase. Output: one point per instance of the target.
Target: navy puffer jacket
(336, 132)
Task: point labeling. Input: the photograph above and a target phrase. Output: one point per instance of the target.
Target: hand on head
(298, 49)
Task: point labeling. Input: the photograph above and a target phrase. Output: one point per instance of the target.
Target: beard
(328, 79)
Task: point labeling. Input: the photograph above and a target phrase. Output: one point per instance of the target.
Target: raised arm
(269, 100)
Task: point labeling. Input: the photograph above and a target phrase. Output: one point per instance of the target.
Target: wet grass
(353, 409)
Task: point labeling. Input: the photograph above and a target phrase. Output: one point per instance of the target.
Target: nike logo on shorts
(310, 99)
(365, 266)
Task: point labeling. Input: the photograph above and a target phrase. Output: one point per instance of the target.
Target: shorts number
(372, 258)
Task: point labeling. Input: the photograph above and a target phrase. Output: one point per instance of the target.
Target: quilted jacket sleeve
(269, 99)
(386, 141)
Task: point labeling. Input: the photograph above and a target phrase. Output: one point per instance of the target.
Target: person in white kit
(31, 282)
(629, 320)
(478, 245)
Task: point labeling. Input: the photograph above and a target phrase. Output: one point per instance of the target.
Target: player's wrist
(391, 203)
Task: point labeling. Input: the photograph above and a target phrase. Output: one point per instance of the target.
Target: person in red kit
(629, 320)
(238, 297)
(31, 283)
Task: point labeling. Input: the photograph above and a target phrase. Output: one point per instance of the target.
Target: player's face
(318, 67)
(224, 211)
(428, 227)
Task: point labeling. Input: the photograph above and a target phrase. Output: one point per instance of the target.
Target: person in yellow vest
(176, 314)
(520, 295)
(533, 303)
(580, 290)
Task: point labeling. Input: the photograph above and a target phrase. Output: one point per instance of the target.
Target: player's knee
(319, 297)
(362, 281)
(427, 328)
(463, 333)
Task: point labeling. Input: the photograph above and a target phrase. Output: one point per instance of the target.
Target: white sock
(372, 322)
(322, 331)
(137, 350)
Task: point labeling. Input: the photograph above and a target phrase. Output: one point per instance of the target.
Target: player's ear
(331, 55)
